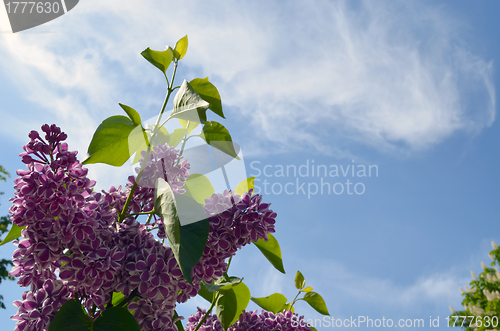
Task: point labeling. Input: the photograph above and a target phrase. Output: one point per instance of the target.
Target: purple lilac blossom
(74, 246)
(251, 321)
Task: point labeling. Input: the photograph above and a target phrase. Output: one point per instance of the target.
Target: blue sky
(407, 86)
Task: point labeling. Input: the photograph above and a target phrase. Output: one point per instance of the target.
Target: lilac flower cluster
(66, 249)
(251, 321)
(163, 162)
(74, 246)
(235, 221)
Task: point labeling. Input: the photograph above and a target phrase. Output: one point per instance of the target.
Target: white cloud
(440, 288)
(393, 75)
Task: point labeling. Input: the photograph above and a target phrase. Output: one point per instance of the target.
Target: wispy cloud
(396, 76)
(347, 291)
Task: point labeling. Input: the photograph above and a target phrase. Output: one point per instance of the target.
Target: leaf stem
(143, 165)
(295, 299)
(169, 92)
(137, 214)
(149, 218)
(185, 138)
(209, 311)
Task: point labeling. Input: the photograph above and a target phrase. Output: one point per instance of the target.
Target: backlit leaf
(272, 251)
(274, 303)
(181, 48)
(316, 301)
(160, 59)
(209, 93)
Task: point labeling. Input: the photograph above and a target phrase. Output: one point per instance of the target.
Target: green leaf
(206, 294)
(223, 285)
(316, 301)
(245, 186)
(300, 281)
(192, 125)
(70, 317)
(193, 241)
(199, 188)
(289, 307)
(176, 137)
(188, 210)
(116, 319)
(132, 113)
(161, 138)
(226, 307)
(160, 59)
(110, 143)
(166, 208)
(307, 289)
(188, 241)
(216, 135)
(242, 299)
(117, 298)
(274, 303)
(231, 303)
(272, 251)
(178, 323)
(14, 233)
(209, 93)
(188, 105)
(181, 48)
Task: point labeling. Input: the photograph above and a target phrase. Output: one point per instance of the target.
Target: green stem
(137, 214)
(149, 218)
(209, 311)
(295, 299)
(185, 138)
(143, 165)
(170, 90)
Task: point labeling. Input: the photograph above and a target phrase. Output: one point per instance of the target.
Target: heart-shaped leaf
(176, 137)
(14, 233)
(272, 251)
(245, 186)
(206, 294)
(243, 296)
(216, 135)
(116, 319)
(199, 188)
(181, 48)
(114, 141)
(193, 241)
(223, 285)
(132, 114)
(307, 289)
(189, 240)
(192, 125)
(300, 281)
(274, 303)
(70, 317)
(188, 105)
(226, 307)
(166, 208)
(231, 303)
(117, 298)
(160, 59)
(316, 301)
(209, 93)
(178, 323)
